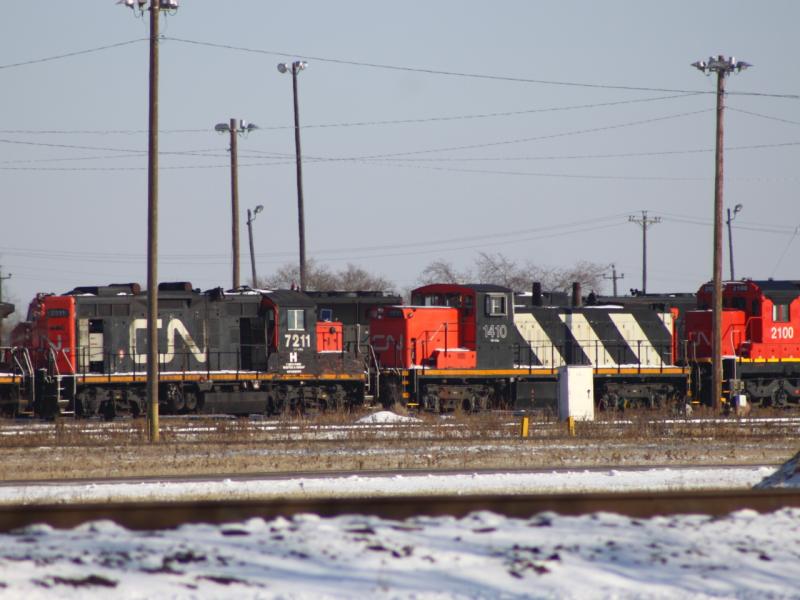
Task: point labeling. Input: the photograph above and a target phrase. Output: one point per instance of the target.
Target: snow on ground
(742, 555)
(555, 482)
(483, 555)
(787, 476)
(386, 416)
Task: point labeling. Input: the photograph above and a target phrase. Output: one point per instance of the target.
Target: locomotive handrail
(377, 371)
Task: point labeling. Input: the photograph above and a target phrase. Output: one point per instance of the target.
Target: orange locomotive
(760, 347)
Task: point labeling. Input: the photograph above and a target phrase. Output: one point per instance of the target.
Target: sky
(430, 131)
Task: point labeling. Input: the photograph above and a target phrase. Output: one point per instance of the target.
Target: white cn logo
(174, 327)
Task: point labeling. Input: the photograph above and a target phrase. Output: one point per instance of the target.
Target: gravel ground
(97, 450)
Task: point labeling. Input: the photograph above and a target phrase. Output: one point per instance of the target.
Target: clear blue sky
(543, 161)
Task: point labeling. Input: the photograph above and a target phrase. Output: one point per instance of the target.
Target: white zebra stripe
(534, 335)
(590, 343)
(632, 332)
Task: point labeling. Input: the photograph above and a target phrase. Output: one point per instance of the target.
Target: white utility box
(576, 393)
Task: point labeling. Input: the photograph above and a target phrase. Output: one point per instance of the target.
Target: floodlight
(283, 67)
(258, 209)
(221, 127)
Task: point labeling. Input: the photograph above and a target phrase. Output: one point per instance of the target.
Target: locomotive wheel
(190, 402)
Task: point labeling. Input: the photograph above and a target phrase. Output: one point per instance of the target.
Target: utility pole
(1, 301)
(645, 222)
(731, 217)
(155, 8)
(251, 216)
(235, 127)
(152, 232)
(722, 67)
(614, 277)
(235, 202)
(295, 68)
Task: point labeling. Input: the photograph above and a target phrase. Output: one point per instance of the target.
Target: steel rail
(165, 515)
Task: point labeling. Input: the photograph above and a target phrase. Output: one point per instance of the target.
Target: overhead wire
(45, 59)
(485, 76)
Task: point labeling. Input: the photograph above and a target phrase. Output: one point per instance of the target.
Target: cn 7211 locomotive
(469, 346)
(760, 334)
(228, 352)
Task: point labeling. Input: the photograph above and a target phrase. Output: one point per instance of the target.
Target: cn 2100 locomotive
(760, 334)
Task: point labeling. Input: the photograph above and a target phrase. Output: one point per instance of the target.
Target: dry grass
(335, 442)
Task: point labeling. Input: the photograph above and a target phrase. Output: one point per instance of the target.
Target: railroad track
(163, 515)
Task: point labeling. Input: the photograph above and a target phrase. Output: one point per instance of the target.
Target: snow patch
(386, 416)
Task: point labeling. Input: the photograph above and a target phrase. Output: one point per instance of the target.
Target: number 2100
(782, 333)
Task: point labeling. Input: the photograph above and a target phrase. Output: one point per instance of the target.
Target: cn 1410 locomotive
(480, 346)
(241, 352)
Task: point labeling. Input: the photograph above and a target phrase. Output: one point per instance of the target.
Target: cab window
(780, 313)
(296, 319)
(496, 305)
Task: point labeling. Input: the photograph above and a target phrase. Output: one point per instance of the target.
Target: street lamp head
(737, 208)
(721, 65)
(222, 127)
(300, 65)
(258, 209)
(248, 127)
(283, 67)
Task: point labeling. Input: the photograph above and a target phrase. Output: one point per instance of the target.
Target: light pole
(722, 67)
(155, 7)
(731, 217)
(295, 68)
(251, 216)
(235, 127)
(645, 222)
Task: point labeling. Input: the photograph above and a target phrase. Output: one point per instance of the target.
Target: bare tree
(498, 269)
(320, 277)
(441, 271)
(353, 277)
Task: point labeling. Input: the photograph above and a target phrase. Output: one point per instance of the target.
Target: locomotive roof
(290, 297)
(477, 287)
(771, 284)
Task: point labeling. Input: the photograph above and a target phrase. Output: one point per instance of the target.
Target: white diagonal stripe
(533, 333)
(590, 343)
(637, 341)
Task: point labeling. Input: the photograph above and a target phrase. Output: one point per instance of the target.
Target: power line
(491, 77)
(126, 257)
(533, 138)
(71, 54)
(762, 116)
(436, 119)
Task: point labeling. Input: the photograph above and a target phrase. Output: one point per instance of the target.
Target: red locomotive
(760, 329)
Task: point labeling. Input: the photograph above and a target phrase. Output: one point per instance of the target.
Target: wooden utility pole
(152, 232)
(644, 221)
(722, 67)
(614, 277)
(301, 221)
(2, 316)
(234, 129)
